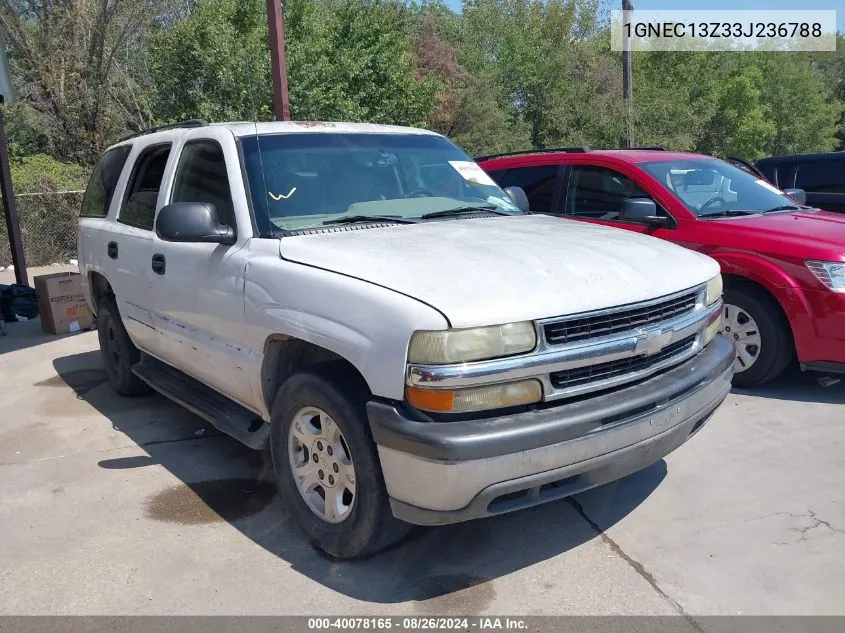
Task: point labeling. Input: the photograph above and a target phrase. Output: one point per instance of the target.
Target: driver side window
(201, 177)
(598, 193)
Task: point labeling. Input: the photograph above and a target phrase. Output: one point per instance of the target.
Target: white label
(73, 326)
(768, 186)
(471, 172)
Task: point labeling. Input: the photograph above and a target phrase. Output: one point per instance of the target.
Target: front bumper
(445, 472)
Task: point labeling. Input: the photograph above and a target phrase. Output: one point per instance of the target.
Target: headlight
(831, 274)
(509, 394)
(442, 347)
(714, 289)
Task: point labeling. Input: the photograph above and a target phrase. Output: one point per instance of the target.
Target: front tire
(327, 467)
(761, 335)
(118, 352)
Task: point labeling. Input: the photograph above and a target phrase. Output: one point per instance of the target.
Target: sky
(836, 5)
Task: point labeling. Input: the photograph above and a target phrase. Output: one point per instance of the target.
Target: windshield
(710, 187)
(300, 181)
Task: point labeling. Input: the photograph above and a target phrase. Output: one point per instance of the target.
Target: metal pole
(627, 82)
(13, 226)
(278, 65)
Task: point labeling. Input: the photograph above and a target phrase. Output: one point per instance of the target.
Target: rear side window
(823, 176)
(139, 204)
(537, 182)
(201, 177)
(103, 181)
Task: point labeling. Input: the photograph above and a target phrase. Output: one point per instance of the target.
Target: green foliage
(346, 60)
(47, 213)
(495, 76)
(40, 173)
(213, 64)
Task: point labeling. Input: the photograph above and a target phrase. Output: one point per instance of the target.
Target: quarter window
(101, 186)
(142, 192)
(201, 177)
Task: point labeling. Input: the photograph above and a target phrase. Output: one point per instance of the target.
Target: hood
(812, 228)
(488, 271)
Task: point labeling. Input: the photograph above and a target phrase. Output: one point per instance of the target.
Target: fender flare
(779, 284)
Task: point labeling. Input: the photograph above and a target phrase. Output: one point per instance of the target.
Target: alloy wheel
(321, 464)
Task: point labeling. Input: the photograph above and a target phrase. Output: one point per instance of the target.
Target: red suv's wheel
(755, 323)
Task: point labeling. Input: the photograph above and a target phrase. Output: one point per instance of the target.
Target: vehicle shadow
(25, 334)
(793, 384)
(221, 480)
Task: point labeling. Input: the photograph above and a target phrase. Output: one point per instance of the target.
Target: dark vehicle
(821, 176)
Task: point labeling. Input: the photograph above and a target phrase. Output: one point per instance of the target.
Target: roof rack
(573, 150)
(657, 148)
(170, 126)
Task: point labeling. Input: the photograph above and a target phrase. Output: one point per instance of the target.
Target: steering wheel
(419, 193)
(713, 201)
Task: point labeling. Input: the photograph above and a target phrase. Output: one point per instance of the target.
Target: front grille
(603, 324)
(595, 373)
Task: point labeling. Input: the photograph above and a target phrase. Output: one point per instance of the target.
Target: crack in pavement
(634, 564)
(817, 523)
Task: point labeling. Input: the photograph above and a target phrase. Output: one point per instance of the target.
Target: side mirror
(643, 211)
(192, 222)
(519, 198)
(799, 195)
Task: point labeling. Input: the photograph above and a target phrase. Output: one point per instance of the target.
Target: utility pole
(627, 84)
(10, 210)
(278, 65)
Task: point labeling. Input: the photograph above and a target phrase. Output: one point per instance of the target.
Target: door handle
(159, 264)
(111, 249)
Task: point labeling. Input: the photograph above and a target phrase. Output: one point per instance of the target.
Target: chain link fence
(48, 227)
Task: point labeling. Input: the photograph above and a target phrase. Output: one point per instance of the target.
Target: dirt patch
(80, 380)
(453, 593)
(210, 501)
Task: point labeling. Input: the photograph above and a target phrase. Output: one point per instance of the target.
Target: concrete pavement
(111, 505)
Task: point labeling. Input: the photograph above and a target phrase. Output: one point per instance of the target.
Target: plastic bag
(17, 300)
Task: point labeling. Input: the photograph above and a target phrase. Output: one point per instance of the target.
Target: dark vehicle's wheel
(756, 325)
(119, 353)
(328, 470)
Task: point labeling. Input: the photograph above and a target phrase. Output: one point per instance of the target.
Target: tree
(347, 60)
(77, 63)
(466, 107)
(831, 68)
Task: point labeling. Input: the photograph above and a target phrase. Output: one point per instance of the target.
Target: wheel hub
(745, 332)
(321, 464)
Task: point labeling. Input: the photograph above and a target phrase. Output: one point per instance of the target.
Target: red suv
(783, 262)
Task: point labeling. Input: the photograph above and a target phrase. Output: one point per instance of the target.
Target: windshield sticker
(471, 172)
(768, 186)
(282, 196)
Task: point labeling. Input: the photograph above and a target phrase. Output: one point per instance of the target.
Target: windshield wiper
(785, 207)
(483, 208)
(355, 219)
(727, 213)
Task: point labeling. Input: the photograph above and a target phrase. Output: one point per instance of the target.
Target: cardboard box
(61, 304)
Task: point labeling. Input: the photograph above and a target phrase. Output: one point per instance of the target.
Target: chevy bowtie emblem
(651, 342)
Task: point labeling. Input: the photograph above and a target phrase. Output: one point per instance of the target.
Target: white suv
(410, 344)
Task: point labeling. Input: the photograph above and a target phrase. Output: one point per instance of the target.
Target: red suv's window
(537, 182)
(598, 192)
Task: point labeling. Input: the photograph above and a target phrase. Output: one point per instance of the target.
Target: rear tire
(756, 324)
(118, 351)
(320, 430)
